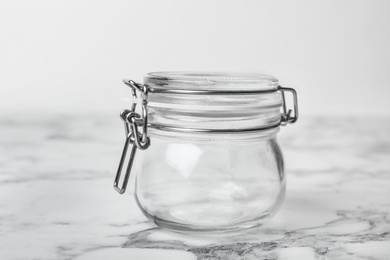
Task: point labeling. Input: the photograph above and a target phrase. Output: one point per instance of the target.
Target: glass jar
(206, 149)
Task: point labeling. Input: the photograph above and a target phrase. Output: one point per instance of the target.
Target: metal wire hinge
(286, 117)
(139, 139)
(135, 137)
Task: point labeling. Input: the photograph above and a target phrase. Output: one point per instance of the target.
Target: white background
(70, 56)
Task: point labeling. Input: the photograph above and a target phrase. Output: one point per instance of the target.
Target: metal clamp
(140, 140)
(286, 117)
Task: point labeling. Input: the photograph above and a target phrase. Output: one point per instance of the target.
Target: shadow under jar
(206, 149)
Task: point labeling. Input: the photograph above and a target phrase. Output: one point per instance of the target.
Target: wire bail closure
(286, 117)
(140, 140)
(132, 122)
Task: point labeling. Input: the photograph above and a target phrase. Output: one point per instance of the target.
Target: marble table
(57, 199)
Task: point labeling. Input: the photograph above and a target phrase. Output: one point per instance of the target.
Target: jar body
(208, 159)
(205, 183)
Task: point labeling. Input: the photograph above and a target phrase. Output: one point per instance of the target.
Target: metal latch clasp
(286, 117)
(134, 137)
(139, 139)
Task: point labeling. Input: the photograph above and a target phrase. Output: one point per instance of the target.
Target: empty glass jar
(206, 149)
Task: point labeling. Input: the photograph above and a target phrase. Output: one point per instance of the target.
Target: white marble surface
(57, 199)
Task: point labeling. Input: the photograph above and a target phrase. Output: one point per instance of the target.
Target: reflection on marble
(57, 200)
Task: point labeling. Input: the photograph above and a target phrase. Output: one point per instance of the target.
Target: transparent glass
(211, 183)
(214, 164)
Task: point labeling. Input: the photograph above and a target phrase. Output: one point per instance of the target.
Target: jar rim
(231, 82)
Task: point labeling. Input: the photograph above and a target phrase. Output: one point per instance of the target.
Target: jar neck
(215, 113)
(236, 136)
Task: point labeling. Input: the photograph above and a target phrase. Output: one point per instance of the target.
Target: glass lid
(210, 82)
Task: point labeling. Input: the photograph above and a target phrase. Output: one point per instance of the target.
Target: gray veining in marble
(57, 199)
